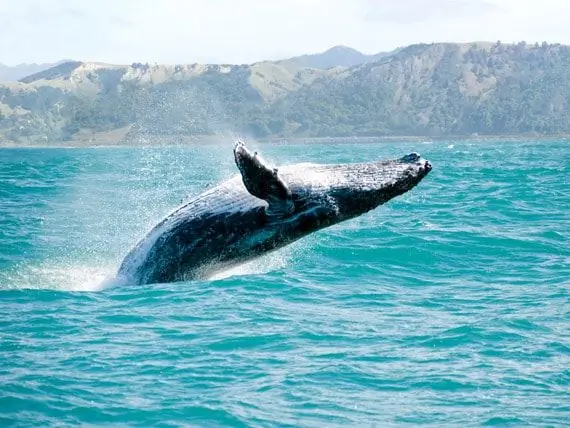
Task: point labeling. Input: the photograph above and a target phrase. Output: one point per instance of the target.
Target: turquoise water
(448, 306)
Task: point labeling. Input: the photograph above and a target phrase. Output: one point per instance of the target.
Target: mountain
(439, 89)
(337, 56)
(12, 74)
(77, 99)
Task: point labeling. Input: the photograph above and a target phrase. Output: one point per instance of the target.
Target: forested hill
(431, 90)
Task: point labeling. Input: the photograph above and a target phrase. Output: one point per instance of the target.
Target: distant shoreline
(213, 140)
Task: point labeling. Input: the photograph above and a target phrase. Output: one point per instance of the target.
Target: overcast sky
(244, 31)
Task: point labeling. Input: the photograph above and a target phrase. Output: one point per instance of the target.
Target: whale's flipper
(263, 182)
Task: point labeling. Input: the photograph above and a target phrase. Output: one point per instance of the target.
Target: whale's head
(355, 188)
(362, 187)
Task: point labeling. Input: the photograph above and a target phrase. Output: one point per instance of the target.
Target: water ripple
(448, 306)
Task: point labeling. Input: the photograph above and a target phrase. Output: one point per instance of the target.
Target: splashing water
(89, 218)
(65, 278)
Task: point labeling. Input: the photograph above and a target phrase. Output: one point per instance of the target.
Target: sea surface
(448, 306)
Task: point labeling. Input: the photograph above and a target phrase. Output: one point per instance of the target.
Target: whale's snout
(424, 166)
(416, 162)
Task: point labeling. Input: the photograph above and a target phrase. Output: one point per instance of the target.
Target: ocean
(448, 306)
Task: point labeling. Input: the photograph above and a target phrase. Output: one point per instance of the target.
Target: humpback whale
(263, 209)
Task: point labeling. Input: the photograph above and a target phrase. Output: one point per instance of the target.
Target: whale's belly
(222, 226)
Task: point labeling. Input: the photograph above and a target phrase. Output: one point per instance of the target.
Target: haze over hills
(427, 89)
(337, 56)
(14, 73)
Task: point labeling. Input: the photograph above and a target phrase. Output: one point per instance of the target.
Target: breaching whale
(261, 210)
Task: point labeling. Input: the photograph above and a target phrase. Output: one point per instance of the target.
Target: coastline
(218, 139)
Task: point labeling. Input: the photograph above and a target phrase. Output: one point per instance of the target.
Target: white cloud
(124, 31)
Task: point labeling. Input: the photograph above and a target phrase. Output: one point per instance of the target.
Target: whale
(262, 209)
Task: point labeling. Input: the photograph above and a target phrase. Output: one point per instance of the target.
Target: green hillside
(436, 89)
(440, 89)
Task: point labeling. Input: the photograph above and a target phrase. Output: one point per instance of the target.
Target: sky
(245, 31)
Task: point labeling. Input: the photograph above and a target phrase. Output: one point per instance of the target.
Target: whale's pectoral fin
(263, 181)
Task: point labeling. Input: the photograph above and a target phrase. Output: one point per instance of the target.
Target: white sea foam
(63, 277)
